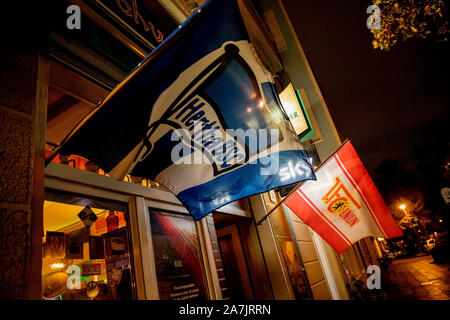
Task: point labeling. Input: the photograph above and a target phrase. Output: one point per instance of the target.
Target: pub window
(86, 249)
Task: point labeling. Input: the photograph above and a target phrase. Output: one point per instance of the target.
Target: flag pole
(300, 183)
(279, 203)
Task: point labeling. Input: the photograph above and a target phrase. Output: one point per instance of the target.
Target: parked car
(441, 251)
(429, 244)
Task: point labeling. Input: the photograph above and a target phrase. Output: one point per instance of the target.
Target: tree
(398, 186)
(405, 19)
(432, 169)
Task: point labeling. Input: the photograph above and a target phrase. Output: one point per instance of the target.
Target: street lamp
(403, 207)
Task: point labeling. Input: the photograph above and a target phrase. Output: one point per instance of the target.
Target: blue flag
(200, 115)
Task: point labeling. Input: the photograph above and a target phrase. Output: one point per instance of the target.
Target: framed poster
(55, 244)
(96, 247)
(179, 268)
(74, 244)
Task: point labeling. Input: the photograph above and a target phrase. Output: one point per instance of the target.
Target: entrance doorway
(235, 266)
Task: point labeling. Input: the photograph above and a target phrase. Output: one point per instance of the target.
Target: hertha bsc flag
(200, 115)
(343, 205)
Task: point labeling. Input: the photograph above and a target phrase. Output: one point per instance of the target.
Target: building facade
(69, 222)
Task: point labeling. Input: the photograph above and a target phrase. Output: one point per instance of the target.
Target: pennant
(200, 115)
(343, 205)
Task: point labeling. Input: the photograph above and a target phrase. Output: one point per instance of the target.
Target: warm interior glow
(261, 104)
(58, 215)
(402, 207)
(57, 265)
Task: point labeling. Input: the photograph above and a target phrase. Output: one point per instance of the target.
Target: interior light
(261, 104)
(57, 265)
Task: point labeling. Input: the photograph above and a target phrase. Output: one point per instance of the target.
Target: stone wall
(23, 101)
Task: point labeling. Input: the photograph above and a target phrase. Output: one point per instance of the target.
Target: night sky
(381, 101)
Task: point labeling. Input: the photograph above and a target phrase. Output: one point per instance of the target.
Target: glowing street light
(403, 207)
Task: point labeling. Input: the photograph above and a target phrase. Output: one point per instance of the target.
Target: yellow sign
(293, 109)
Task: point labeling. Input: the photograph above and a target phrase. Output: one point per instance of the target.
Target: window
(176, 246)
(86, 249)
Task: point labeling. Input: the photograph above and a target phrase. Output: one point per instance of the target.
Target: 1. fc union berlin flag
(343, 205)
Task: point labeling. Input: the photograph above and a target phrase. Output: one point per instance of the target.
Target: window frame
(139, 198)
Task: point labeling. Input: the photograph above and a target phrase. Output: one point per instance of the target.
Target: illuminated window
(86, 249)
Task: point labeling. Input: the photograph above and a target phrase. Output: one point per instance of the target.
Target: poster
(177, 257)
(74, 244)
(55, 244)
(96, 248)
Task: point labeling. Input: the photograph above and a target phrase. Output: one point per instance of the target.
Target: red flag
(343, 205)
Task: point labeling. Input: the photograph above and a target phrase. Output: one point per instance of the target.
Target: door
(234, 263)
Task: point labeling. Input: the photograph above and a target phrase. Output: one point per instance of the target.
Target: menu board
(177, 257)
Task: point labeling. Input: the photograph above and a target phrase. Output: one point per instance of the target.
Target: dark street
(417, 278)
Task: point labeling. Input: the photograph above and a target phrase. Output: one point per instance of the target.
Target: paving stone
(417, 278)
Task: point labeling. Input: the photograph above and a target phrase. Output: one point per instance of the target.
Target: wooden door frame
(233, 231)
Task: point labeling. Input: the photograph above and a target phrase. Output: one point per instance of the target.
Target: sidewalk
(416, 278)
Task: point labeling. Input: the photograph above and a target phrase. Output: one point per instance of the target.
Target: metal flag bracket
(299, 184)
